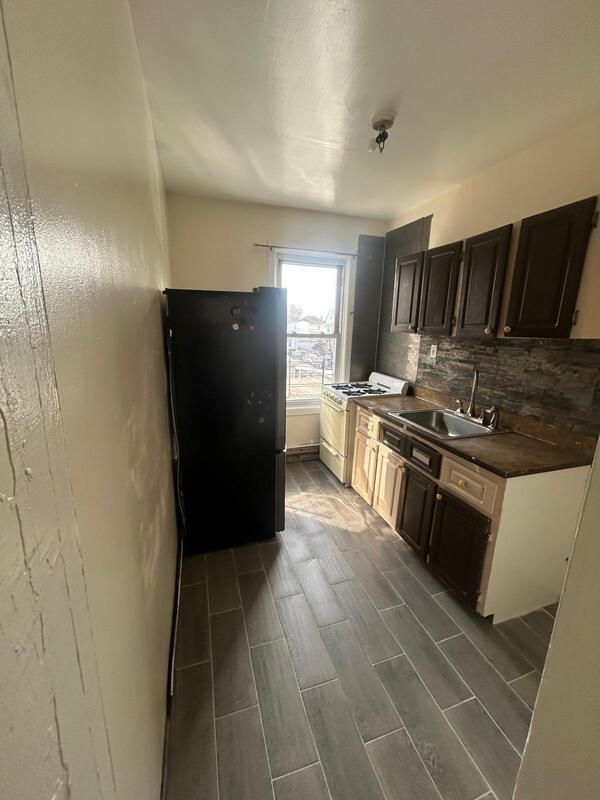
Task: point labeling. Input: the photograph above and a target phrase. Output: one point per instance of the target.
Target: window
(315, 289)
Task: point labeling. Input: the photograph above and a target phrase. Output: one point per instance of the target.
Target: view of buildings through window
(313, 292)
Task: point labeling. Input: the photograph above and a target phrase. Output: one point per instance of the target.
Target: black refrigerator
(227, 361)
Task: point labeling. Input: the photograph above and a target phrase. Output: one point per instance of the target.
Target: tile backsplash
(556, 381)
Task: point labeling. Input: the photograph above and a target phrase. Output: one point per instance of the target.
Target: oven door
(334, 426)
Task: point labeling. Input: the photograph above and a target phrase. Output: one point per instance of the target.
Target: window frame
(343, 322)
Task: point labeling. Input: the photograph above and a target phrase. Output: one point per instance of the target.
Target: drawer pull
(422, 457)
(462, 483)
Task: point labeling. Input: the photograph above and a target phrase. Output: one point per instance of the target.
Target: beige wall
(211, 247)
(556, 171)
(211, 241)
(561, 758)
(96, 196)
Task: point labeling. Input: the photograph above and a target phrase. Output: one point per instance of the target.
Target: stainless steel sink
(444, 424)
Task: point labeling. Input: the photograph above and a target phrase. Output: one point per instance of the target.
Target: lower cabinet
(388, 484)
(364, 466)
(416, 509)
(458, 542)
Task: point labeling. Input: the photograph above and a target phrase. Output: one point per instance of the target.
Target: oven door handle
(332, 405)
(331, 449)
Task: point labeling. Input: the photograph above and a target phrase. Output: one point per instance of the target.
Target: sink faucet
(471, 408)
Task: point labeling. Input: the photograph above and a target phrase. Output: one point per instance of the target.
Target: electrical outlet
(433, 352)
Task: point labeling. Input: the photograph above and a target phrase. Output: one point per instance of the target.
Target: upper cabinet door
(482, 282)
(548, 269)
(407, 291)
(438, 291)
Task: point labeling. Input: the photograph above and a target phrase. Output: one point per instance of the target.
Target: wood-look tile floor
(329, 664)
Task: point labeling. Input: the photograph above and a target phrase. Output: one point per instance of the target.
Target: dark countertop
(506, 454)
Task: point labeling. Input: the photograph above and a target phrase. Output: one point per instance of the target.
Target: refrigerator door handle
(280, 355)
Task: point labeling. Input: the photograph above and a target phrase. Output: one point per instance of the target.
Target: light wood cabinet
(502, 544)
(364, 466)
(388, 484)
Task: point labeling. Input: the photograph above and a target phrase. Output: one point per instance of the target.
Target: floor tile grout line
(295, 771)
(312, 735)
(264, 644)
(462, 702)
(533, 630)
(225, 611)
(439, 649)
(418, 621)
(406, 567)
(451, 726)
(454, 636)
(262, 726)
(194, 664)
(388, 608)
(514, 680)
(480, 651)
(410, 738)
(513, 644)
(388, 733)
(391, 658)
(214, 709)
(195, 583)
(237, 711)
(520, 755)
(464, 680)
(317, 685)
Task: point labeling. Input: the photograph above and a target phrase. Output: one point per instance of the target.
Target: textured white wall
(88, 541)
(561, 758)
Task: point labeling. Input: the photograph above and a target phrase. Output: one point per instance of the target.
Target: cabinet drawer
(474, 488)
(393, 439)
(367, 424)
(423, 457)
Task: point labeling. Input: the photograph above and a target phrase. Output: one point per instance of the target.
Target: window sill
(301, 409)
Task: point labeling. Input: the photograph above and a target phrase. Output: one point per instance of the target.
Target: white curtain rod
(306, 249)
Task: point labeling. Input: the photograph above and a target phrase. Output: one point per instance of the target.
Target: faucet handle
(492, 413)
(460, 409)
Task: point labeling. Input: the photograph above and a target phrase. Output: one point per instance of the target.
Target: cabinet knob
(462, 483)
(488, 331)
(507, 329)
(439, 497)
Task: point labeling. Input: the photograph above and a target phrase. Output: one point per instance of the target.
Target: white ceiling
(270, 100)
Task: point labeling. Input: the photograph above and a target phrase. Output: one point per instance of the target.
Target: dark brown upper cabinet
(407, 292)
(438, 290)
(548, 267)
(482, 281)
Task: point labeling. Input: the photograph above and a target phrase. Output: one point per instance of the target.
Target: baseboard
(308, 452)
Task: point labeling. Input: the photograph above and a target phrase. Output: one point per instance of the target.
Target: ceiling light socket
(381, 123)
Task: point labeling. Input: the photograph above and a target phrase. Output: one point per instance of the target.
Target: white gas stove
(341, 393)
(338, 418)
